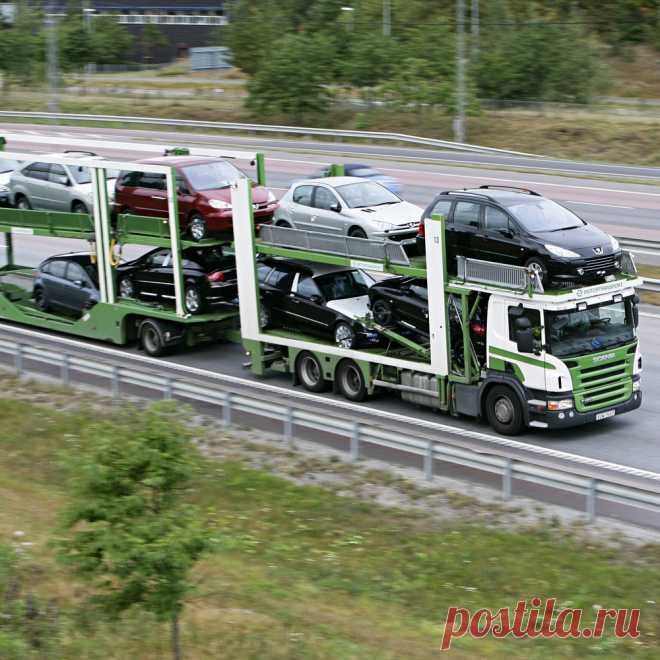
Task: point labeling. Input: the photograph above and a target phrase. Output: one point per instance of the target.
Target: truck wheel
(310, 372)
(350, 381)
(198, 229)
(151, 338)
(382, 312)
(504, 410)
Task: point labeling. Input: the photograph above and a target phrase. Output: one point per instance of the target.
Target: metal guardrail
(640, 245)
(510, 461)
(267, 128)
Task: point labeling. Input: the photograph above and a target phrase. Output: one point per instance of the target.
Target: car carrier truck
(552, 359)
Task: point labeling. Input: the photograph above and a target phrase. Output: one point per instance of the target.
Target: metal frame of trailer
(113, 319)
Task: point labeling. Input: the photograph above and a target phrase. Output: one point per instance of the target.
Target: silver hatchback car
(348, 206)
(55, 187)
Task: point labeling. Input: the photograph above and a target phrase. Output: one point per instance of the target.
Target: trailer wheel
(382, 312)
(310, 372)
(504, 410)
(151, 338)
(350, 381)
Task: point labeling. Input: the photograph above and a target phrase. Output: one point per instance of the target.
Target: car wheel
(192, 300)
(357, 232)
(537, 265)
(504, 410)
(198, 229)
(126, 288)
(40, 299)
(350, 381)
(309, 372)
(79, 207)
(23, 203)
(345, 335)
(264, 315)
(382, 312)
(151, 339)
(283, 223)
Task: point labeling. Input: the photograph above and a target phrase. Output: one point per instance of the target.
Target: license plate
(605, 415)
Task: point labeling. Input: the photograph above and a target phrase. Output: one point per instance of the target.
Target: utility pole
(387, 18)
(88, 15)
(52, 64)
(459, 119)
(474, 29)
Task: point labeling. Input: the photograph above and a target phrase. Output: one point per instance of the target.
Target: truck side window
(533, 315)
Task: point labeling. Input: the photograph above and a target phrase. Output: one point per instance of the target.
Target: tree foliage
(132, 534)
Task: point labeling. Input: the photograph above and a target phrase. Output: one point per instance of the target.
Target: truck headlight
(637, 385)
(561, 404)
(219, 204)
(561, 252)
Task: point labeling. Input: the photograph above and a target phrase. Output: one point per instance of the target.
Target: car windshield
(7, 165)
(84, 174)
(345, 284)
(209, 259)
(592, 329)
(212, 176)
(366, 193)
(540, 214)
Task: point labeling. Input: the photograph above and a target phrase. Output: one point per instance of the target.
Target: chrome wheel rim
(343, 336)
(197, 229)
(126, 289)
(311, 371)
(264, 316)
(503, 410)
(536, 268)
(192, 300)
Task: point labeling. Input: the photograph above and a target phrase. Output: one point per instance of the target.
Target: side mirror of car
(524, 335)
(79, 283)
(182, 190)
(336, 207)
(62, 179)
(316, 299)
(507, 233)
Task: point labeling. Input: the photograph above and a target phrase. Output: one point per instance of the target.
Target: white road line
(651, 316)
(611, 206)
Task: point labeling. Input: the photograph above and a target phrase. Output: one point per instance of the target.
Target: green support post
(261, 169)
(9, 241)
(175, 236)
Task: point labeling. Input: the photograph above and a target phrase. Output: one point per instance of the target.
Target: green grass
(301, 573)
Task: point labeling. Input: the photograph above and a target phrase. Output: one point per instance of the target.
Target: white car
(7, 166)
(348, 206)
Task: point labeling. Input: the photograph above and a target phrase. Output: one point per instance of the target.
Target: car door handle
(158, 197)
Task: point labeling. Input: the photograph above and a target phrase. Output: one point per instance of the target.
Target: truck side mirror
(635, 310)
(524, 335)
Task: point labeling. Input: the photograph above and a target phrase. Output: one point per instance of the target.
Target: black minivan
(521, 227)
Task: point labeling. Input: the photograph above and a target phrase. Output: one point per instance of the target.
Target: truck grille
(596, 264)
(602, 385)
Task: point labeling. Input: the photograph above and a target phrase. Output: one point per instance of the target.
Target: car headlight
(562, 404)
(383, 226)
(562, 252)
(614, 243)
(219, 204)
(271, 197)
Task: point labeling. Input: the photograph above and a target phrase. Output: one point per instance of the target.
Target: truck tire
(350, 381)
(309, 372)
(504, 410)
(151, 338)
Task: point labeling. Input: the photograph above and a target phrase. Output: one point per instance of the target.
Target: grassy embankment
(302, 573)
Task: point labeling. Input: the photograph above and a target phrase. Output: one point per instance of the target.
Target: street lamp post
(349, 11)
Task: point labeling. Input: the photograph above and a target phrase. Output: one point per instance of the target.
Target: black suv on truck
(522, 228)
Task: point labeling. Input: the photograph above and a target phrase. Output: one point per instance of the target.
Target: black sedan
(522, 228)
(401, 301)
(319, 300)
(209, 278)
(66, 283)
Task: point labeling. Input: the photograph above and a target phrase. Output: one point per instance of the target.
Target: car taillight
(478, 329)
(420, 231)
(218, 276)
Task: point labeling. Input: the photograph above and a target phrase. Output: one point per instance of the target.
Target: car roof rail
(78, 151)
(466, 191)
(514, 188)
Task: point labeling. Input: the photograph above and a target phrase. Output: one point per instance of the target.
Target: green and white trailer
(526, 376)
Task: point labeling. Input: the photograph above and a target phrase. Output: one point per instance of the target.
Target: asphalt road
(622, 208)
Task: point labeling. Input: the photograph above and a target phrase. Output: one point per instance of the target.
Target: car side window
(57, 268)
(56, 173)
(263, 270)
(158, 259)
(467, 214)
(46, 268)
(37, 171)
(281, 279)
(181, 185)
(303, 195)
(152, 181)
(323, 198)
(307, 288)
(496, 220)
(420, 291)
(130, 179)
(75, 272)
(441, 207)
(533, 315)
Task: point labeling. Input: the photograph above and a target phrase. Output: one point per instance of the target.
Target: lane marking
(611, 206)
(651, 316)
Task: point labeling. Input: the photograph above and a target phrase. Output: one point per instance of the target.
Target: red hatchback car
(203, 186)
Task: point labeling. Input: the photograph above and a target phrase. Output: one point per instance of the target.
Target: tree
(130, 531)
(292, 79)
(22, 46)
(110, 43)
(152, 39)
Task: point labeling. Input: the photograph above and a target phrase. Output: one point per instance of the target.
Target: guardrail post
(506, 479)
(115, 382)
(18, 359)
(428, 461)
(591, 500)
(167, 393)
(288, 425)
(65, 373)
(355, 442)
(226, 409)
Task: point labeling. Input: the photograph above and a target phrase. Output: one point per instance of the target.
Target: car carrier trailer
(518, 382)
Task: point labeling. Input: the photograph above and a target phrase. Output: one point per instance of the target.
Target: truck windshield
(595, 328)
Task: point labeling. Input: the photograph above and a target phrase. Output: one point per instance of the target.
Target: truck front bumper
(567, 418)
